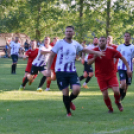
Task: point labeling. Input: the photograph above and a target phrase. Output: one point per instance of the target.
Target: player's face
(47, 41)
(69, 33)
(16, 39)
(33, 44)
(127, 37)
(109, 40)
(95, 41)
(102, 42)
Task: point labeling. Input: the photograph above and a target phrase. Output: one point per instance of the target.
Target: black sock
(121, 91)
(66, 102)
(25, 81)
(15, 65)
(42, 81)
(88, 79)
(12, 70)
(81, 78)
(72, 97)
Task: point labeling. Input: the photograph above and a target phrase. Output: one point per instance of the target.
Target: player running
(31, 54)
(88, 69)
(53, 74)
(14, 50)
(39, 64)
(66, 50)
(127, 50)
(105, 73)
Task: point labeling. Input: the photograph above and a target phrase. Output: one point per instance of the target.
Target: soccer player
(66, 75)
(39, 64)
(127, 50)
(53, 74)
(14, 50)
(105, 73)
(31, 54)
(88, 69)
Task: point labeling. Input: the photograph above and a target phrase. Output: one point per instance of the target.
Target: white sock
(84, 83)
(47, 89)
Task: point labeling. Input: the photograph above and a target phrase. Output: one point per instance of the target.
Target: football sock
(81, 78)
(88, 79)
(42, 81)
(121, 91)
(72, 97)
(117, 98)
(15, 66)
(25, 81)
(48, 83)
(108, 103)
(12, 70)
(66, 102)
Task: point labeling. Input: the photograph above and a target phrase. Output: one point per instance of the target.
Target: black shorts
(14, 58)
(123, 76)
(35, 69)
(88, 68)
(64, 79)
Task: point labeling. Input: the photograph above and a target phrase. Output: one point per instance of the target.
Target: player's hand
(99, 54)
(82, 61)
(48, 73)
(129, 73)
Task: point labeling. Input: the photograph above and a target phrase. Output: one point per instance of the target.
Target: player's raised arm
(98, 54)
(129, 72)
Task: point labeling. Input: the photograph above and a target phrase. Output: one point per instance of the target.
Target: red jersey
(52, 44)
(104, 66)
(31, 55)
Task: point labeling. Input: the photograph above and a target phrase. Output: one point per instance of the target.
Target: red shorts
(105, 83)
(28, 68)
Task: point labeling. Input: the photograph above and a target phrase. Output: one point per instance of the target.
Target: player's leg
(84, 74)
(103, 87)
(14, 64)
(75, 86)
(25, 75)
(123, 83)
(63, 83)
(43, 79)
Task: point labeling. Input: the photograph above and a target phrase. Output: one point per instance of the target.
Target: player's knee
(91, 74)
(30, 77)
(85, 75)
(53, 78)
(76, 89)
(123, 85)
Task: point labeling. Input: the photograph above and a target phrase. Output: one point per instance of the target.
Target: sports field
(30, 112)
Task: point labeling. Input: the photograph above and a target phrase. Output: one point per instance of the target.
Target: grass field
(30, 112)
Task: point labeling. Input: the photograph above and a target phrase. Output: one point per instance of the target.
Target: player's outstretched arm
(91, 61)
(129, 72)
(97, 53)
(50, 60)
(45, 52)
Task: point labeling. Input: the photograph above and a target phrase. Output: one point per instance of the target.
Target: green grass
(29, 112)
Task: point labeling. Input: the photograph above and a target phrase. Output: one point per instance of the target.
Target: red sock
(117, 98)
(35, 76)
(23, 79)
(108, 103)
(48, 83)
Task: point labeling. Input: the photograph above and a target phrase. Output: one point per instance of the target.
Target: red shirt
(105, 67)
(31, 55)
(54, 62)
(52, 44)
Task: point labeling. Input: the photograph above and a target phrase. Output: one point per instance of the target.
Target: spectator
(26, 45)
(6, 50)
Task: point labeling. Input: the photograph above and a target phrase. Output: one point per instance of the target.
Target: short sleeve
(118, 48)
(90, 56)
(27, 53)
(79, 47)
(55, 48)
(116, 54)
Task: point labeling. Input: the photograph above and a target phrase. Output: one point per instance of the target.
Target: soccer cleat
(110, 111)
(72, 106)
(120, 107)
(69, 115)
(29, 83)
(21, 88)
(39, 89)
(85, 86)
(47, 89)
